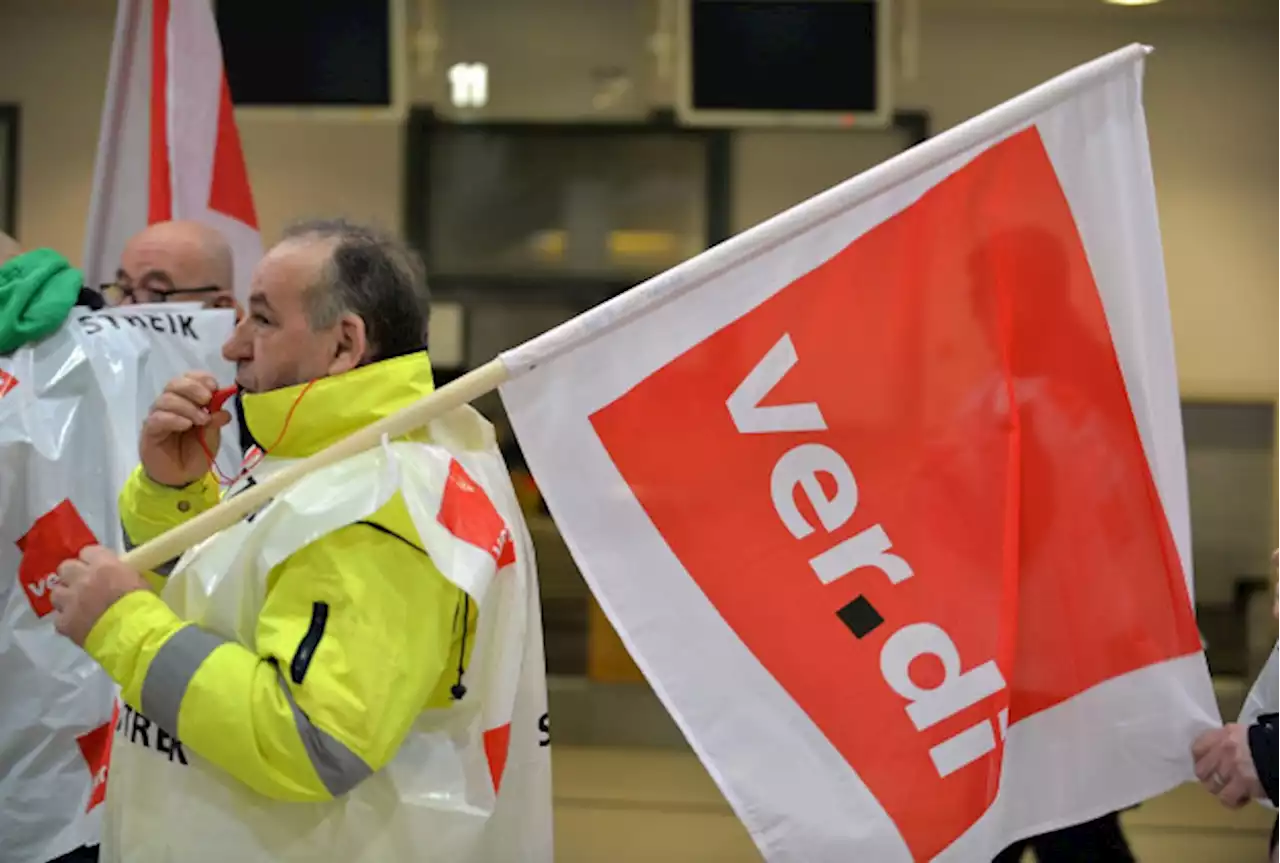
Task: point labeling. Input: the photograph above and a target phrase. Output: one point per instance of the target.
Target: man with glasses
(178, 262)
(175, 262)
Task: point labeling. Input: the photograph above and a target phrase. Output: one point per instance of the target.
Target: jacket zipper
(307, 647)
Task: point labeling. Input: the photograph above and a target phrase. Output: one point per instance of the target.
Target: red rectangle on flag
(912, 484)
(467, 513)
(60, 534)
(95, 747)
(7, 382)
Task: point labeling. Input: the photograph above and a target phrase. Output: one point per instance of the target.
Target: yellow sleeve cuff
(148, 509)
(127, 637)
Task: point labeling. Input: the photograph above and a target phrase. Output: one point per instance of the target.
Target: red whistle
(220, 398)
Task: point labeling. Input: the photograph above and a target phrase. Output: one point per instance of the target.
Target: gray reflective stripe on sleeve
(338, 767)
(163, 569)
(170, 673)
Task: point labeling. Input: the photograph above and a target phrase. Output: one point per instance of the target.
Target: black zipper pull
(307, 647)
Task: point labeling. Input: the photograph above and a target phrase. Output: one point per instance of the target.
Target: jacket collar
(332, 408)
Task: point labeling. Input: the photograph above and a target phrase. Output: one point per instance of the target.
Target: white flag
(886, 496)
(168, 146)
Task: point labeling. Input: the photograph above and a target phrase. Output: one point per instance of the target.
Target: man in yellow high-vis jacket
(359, 633)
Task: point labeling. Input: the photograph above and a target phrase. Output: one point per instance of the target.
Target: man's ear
(352, 344)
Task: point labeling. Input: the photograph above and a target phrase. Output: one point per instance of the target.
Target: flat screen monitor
(309, 54)
(784, 63)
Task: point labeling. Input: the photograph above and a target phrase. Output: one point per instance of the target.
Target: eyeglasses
(151, 288)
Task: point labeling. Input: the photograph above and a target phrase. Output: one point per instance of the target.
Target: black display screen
(306, 52)
(784, 55)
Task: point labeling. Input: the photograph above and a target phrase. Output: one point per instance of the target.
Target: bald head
(182, 256)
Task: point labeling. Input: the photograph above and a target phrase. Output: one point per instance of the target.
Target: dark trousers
(1100, 841)
(83, 854)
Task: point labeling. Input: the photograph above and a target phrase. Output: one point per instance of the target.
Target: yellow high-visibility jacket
(358, 634)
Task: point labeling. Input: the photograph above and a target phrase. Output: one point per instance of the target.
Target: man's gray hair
(373, 275)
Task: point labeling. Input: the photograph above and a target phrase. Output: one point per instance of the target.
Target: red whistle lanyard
(219, 399)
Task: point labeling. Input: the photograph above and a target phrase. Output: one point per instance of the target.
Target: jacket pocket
(307, 647)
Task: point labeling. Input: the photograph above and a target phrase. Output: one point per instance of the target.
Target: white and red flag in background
(71, 406)
(168, 147)
(887, 495)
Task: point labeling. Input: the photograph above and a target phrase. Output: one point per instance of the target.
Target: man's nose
(239, 346)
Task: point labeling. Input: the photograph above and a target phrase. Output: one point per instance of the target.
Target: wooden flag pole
(228, 512)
